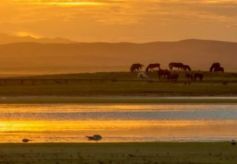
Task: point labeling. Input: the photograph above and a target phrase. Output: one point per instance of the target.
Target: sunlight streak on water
(117, 122)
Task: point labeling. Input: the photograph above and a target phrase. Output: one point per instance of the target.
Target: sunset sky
(121, 20)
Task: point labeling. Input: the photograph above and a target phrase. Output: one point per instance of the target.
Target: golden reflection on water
(114, 131)
(96, 125)
(14, 127)
(96, 107)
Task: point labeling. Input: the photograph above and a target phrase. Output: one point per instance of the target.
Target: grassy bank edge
(114, 99)
(101, 144)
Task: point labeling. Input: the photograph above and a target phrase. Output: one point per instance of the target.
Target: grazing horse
(151, 67)
(173, 76)
(136, 67)
(163, 73)
(176, 65)
(214, 67)
(186, 68)
(219, 69)
(189, 76)
(142, 76)
(195, 76)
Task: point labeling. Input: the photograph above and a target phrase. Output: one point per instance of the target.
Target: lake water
(118, 122)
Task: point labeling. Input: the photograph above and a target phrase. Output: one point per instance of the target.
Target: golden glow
(121, 20)
(71, 123)
(75, 131)
(74, 4)
(62, 3)
(32, 126)
(27, 34)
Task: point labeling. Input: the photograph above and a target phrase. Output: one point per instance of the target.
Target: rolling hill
(35, 57)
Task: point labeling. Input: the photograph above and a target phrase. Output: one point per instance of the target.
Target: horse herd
(170, 74)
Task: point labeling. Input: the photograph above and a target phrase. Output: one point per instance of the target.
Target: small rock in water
(25, 140)
(95, 137)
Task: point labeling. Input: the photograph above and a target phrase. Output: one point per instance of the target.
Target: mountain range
(6, 39)
(29, 55)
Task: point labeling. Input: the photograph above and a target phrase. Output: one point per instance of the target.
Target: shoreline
(118, 99)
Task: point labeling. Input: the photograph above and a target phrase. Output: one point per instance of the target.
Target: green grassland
(118, 84)
(119, 153)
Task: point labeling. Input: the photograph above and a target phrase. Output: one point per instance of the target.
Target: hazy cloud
(115, 19)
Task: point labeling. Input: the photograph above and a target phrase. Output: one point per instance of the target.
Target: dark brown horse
(216, 67)
(136, 67)
(153, 66)
(163, 73)
(176, 65)
(173, 76)
(219, 69)
(186, 68)
(194, 77)
(189, 76)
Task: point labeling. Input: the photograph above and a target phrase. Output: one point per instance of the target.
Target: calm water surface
(118, 122)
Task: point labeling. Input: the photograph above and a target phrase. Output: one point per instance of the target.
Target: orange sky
(121, 20)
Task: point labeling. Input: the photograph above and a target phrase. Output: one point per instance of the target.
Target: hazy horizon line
(103, 41)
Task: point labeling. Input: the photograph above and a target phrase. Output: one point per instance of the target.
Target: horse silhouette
(186, 68)
(219, 69)
(216, 67)
(173, 76)
(194, 77)
(176, 65)
(136, 67)
(163, 73)
(151, 67)
(143, 76)
(189, 76)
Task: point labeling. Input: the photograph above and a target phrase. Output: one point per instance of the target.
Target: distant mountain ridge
(96, 57)
(8, 39)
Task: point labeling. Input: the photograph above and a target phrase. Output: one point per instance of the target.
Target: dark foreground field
(119, 153)
(118, 84)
